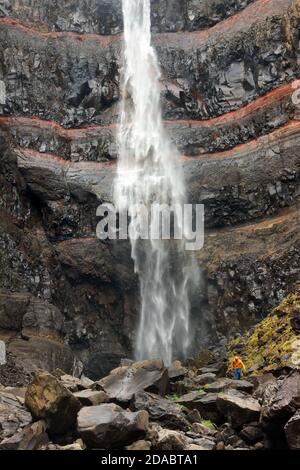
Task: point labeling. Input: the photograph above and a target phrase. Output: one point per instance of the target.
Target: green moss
(209, 424)
(269, 345)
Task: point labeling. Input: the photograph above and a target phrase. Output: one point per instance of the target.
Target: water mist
(149, 172)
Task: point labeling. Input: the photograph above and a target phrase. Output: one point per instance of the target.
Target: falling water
(148, 172)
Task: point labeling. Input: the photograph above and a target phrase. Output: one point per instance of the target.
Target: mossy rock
(273, 342)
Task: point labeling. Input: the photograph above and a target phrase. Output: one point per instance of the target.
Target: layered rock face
(229, 71)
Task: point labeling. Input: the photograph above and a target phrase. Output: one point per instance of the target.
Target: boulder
(203, 430)
(139, 445)
(176, 371)
(292, 431)
(205, 443)
(214, 369)
(281, 400)
(109, 425)
(91, 398)
(204, 379)
(205, 403)
(261, 382)
(190, 400)
(252, 433)
(193, 416)
(31, 437)
(170, 440)
(74, 384)
(13, 416)
(77, 445)
(167, 413)
(239, 408)
(123, 383)
(242, 386)
(218, 386)
(48, 399)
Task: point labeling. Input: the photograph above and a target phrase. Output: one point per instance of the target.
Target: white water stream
(148, 172)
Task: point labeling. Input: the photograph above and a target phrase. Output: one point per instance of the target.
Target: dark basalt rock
(48, 399)
(167, 413)
(123, 383)
(281, 401)
(105, 16)
(292, 431)
(239, 408)
(108, 426)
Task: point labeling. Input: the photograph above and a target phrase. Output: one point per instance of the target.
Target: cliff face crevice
(229, 70)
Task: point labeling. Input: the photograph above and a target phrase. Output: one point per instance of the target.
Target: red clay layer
(246, 17)
(232, 116)
(12, 22)
(291, 125)
(28, 152)
(248, 146)
(282, 216)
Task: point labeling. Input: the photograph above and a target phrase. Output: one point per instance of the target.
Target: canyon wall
(229, 70)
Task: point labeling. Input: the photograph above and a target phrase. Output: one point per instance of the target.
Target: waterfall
(149, 172)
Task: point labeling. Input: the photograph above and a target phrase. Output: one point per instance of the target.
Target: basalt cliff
(230, 70)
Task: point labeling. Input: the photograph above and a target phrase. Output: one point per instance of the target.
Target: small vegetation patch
(273, 342)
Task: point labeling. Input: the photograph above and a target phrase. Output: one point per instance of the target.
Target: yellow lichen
(271, 343)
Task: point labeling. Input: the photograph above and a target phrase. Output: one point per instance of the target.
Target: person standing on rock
(236, 366)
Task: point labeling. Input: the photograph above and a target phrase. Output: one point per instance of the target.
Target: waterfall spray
(149, 172)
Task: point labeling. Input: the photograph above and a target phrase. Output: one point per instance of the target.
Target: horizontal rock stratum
(229, 72)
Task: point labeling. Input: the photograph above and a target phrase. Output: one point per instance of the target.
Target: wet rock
(139, 445)
(281, 400)
(193, 416)
(167, 413)
(123, 383)
(170, 440)
(74, 384)
(204, 379)
(218, 386)
(109, 425)
(91, 398)
(238, 408)
(261, 382)
(176, 371)
(292, 431)
(48, 399)
(190, 400)
(242, 386)
(31, 437)
(209, 370)
(252, 433)
(205, 443)
(13, 415)
(207, 406)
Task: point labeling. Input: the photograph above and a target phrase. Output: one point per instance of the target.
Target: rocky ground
(229, 71)
(146, 406)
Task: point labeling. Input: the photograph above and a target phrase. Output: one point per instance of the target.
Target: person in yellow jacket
(236, 366)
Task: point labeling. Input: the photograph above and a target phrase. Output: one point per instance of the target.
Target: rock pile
(134, 408)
